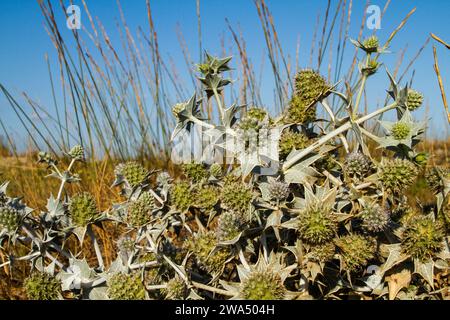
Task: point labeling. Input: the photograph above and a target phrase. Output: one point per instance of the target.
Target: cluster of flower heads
(334, 221)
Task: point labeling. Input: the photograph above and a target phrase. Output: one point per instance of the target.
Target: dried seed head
(83, 209)
(175, 289)
(229, 226)
(375, 218)
(435, 176)
(10, 219)
(291, 140)
(397, 175)
(357, 165)
(414, 100)
(422, 238)
(316, 225)
(278, 190)
(42, 286)
(125, 287)
(356, 251)
(263, 285)
(322, 252)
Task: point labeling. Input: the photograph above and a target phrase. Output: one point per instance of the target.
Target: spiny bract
(125, 287)
(42, 286)
(83, 209)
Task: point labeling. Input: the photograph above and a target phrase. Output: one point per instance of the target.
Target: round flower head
(175, 289)
(10, 219)
(400, 130)
(263, 285)
(291, 140)
(357, 165)
(253, 119)
(435, 178)
(300, 112)
(229, 226)
(83, 209)
(371, 68)
(371, 44)
(77, 153)
(139, 212)
(181, 196)
(322, 252)
(375, 218)
(206, 197)
(177, 108)
(316, 224)
(126, 244)
(355, 251)
(414, 100)
(216, 170)
(422, 238)
(42, 286)
(236, 196)
(278, 190)
(125, 287)
(132, 173)
(196, 172)
(202, 245)
(397, 175)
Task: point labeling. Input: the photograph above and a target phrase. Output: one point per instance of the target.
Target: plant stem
(212, 289)
(361, 89)
(219, 105)
(98, 253)
(333, 134)
(63, 180)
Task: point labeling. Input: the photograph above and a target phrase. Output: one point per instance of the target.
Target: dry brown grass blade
(441, 85)
(435, 37)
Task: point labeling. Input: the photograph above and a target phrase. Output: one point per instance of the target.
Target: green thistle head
(263, 285)
(216, 170)
(206, 197)
(316, 224)
(435, 176)
(356, 251)
(422, 238)
(175, 289)
(291, 140)
(139, 212)
(300, 112)
(397, 175)
(311, 87)
(10, 219)
(370, 44)
(371, 68)
(357, 165)
(42, 286)
(177, 108)
(229, 226)
(322, 252)
(181, 196)
(195, 172)
(77, 153)
(83, 209)
(375, 218)
(400, 130)
(133, 173)
(414, 100)
(125, 287)
(253, 119)
(236, 196)
(202, 245)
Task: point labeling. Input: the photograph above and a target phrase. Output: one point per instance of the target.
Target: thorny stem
(98, 253)
(333, 134)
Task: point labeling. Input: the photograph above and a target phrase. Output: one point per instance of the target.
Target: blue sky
(25, 41)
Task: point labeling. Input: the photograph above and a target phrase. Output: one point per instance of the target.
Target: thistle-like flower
(323, 252)
(195, 172)
(10, 219)
(278, 190)
(369, 45)
(355, 251)
(375, 218)
(83, 209)
(397, 175)
(405, 131)
(229, 225)
(437, 178)
(206, 197)
(42, 286)
(236, 196)
(291, 140)
(357, 165)
(132, 173)
(77, 153)
(139, 212)
(371, 67)
(254, 119)
(175, 289)
(316, 224)
(216, 170)
(414, 100)
(125, 287)
(203, 245)
(422, 238)
(181, 196)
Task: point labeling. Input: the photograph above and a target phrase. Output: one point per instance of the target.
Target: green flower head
(322, 252)
(355, 251)
(316, 224)
(139, 212)
(405, 131)
(229, 225)
(291, 140)
(371, 44)
(175, 289)
(132, 173)
(375, 218)
(236, 196)
(77, 153)
(10, 219)
(397, 175)
(83, 209)
(42, 286)
(216, 170)
(414, 100)
(357, 165)
(125, 287)
(181, 196)
(263, 285)
(206, 197)
(195, 172)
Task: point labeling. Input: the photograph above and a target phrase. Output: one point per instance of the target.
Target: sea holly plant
(276, 207)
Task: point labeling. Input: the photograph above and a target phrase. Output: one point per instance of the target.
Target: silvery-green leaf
(55, 207)
(394, 258)
(97, 293)
(426, 270)
(80, 233)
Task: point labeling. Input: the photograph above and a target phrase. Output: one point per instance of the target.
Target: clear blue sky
(25, 41)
